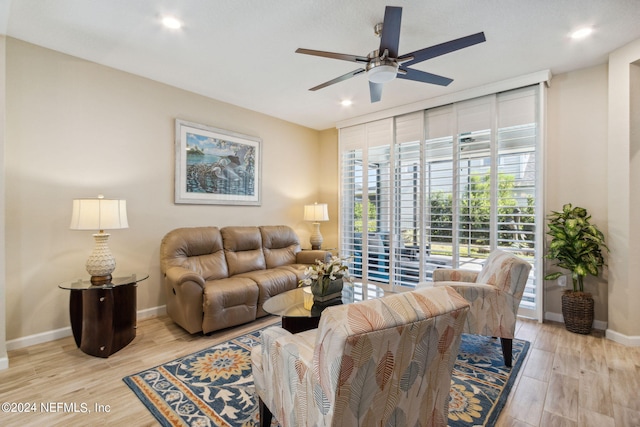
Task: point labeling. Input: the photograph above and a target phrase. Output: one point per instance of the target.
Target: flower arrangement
(323, 273)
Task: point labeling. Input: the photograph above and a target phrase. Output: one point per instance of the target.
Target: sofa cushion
(297, 269)
(243, 249)
(199, 249)
(271, 282)
(280, 244)
(228, 302)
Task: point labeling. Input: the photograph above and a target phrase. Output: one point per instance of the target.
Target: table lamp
(99, 214)
(316, 213)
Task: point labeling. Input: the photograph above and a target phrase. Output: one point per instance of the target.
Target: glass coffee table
(296, 318)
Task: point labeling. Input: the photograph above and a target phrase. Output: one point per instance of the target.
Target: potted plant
(576, 245)
(326, 278)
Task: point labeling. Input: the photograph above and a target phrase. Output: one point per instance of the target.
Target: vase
(577, 311)
(325, 289)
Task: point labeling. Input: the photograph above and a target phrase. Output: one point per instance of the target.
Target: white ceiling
(243, 51)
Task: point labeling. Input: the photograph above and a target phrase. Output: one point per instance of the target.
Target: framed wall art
(215, 166)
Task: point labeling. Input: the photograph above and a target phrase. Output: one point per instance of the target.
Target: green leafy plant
(576, 245)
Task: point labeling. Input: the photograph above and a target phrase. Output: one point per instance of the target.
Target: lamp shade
(99, 214)
(316, 212)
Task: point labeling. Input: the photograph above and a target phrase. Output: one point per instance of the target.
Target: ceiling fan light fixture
(382, 73)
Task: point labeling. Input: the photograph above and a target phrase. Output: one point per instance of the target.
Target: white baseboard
(629, 341)
(557, 317)
(38, 338)
(152, 312)
(65, 332)
(4, 362)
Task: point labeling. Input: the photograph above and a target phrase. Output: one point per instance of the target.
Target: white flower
(335, 268)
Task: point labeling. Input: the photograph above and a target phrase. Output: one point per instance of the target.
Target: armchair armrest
(454, 275)
(276, 380)
(310, 257)
(180, 275)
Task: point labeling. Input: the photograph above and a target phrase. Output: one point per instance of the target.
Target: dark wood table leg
(124, 318)
(265, 414)
(108, 319)
(97, 321)
(295, 324)
(75, 315)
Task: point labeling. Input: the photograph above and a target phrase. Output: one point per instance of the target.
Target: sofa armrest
(310, 257)
(180, 275)
(454, 275)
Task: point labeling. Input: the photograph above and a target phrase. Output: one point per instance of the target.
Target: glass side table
(103, 317)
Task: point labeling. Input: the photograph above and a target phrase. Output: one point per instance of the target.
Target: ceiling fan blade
(390, 38)
(375, 90)
(339, 79)
(422, 76)
(442, 49)
(342, 56)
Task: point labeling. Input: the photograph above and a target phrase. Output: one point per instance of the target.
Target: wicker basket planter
(577, 310)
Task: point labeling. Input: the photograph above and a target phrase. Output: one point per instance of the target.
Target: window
(442, 188)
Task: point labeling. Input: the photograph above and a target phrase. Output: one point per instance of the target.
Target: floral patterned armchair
(385, 361)
(494, 294)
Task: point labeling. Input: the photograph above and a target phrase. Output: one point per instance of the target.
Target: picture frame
(216, 166)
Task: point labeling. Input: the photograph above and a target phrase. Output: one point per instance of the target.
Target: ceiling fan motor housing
(381, 70)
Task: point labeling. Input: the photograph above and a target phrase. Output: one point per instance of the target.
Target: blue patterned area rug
(214, 386)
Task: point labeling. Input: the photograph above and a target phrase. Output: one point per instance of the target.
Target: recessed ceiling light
(581, 33)
(346, 102)
(171, 22)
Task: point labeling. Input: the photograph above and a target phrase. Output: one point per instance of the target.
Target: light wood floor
(567, 379)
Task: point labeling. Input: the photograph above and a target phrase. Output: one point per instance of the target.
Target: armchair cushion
(506, 272)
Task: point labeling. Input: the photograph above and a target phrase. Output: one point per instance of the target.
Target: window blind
(441, 188)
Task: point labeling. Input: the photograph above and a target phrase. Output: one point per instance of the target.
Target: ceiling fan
(384, 64)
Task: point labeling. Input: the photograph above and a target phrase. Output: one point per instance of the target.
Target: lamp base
(316, 237)
(100, 280)
(101, 262)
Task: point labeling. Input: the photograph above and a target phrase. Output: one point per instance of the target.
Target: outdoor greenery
(576, 245)
(371, 217)
(516, 223)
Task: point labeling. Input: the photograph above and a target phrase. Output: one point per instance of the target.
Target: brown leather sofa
(216, 278)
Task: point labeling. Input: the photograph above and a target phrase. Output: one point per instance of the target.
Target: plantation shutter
(408, 247)
(475, 199)
(439, 186)
(443, 188)
(351, 187)
(517, 169)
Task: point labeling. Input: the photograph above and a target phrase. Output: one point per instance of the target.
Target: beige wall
(4, 361)
(328, 185)
(576, 166)
(624, 193)
(77, 129)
